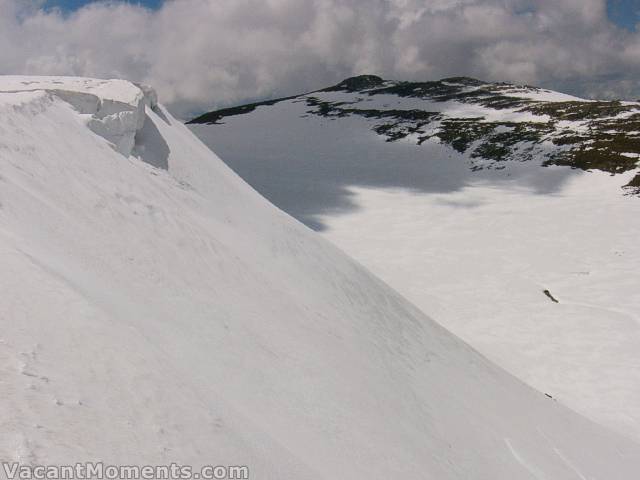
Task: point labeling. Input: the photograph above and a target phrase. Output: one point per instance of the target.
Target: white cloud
(205, 53)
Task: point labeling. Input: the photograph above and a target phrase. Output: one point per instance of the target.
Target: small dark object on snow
(548, 294)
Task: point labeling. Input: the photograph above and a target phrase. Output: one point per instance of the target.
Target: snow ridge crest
(115, 109)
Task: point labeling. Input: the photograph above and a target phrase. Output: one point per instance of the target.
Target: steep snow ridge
(152, 316)
(115, 108)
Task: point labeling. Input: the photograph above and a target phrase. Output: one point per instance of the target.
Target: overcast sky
(201, 54)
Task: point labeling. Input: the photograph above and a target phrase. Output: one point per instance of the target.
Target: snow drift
(155, 315)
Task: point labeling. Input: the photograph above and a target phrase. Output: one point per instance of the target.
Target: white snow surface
(114, 109)
(450, 107)
(475, 250)
(155, 315)
(542, 95)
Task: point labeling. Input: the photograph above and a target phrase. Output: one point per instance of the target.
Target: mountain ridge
(563, 130)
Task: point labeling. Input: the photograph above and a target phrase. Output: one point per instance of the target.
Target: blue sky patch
(70, 5)
(624, 13)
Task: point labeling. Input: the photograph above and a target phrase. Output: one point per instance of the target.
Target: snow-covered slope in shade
(438, 188)
(156, 315)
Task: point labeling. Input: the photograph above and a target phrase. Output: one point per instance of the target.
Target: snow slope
(471, 241)
(168, 313)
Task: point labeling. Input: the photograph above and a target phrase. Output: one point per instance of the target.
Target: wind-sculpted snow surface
(153, 316)
(114, 109)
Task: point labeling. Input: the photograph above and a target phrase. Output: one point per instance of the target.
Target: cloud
(201, 54)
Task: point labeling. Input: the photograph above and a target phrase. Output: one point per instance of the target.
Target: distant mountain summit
(492, 123)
